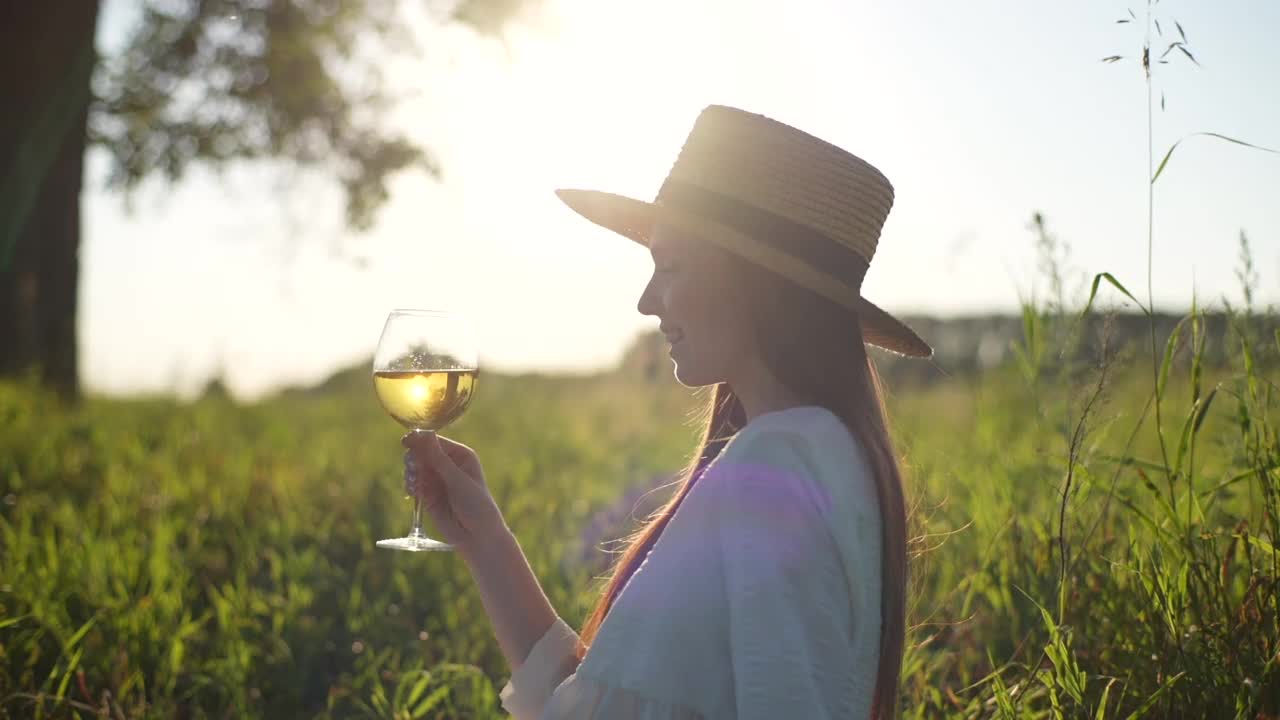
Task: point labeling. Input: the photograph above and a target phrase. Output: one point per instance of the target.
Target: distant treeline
(971, 344)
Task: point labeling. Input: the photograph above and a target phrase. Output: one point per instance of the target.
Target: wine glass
(424, 373)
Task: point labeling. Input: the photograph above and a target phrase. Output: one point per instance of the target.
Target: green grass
(1167, 604)
(160, 556)
(160, 559)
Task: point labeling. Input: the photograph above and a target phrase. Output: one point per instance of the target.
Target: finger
(437, 450)
(414, 468)
(419, 469)
(415, 482)
(426, 438)
(416, 438)
(418, 482)
(434, 451)
(450, 445)
(458, 452)
(461, 455)
(424, 447)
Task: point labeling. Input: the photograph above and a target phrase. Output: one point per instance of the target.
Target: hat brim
(634, 219)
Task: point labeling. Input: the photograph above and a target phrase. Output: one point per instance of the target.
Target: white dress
(760, 599)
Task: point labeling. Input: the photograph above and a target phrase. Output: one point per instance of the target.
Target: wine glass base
(418, 543)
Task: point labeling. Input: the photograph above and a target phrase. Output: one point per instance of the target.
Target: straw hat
(776, 196)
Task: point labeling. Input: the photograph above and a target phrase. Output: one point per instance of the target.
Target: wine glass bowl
(424, 374)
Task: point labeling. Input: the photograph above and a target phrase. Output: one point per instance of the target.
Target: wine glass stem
(416, 532)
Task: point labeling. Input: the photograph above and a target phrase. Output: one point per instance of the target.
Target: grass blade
(1151, 701)
(414, 692)
(12, 621)
(1237, 478)
(430, 702)
(1116, 283)
(1169, 348)
(1173, 147)
(1101, 712)
(1190, 427)
(71, 670)
(1262, 544)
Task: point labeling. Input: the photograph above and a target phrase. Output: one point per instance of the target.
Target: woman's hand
(447, 477)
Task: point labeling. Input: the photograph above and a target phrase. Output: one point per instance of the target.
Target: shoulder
(779, 460)
(812, 431)
(802, 461)
(809, 442)
(771, 508)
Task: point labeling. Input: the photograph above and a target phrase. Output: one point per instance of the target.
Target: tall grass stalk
(1183, 580)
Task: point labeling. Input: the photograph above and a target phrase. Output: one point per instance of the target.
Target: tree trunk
(47, 56)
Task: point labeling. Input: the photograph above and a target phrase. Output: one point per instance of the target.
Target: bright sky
(980, 113)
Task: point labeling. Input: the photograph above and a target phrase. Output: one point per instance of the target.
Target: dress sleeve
(788, 598)
(550, 661)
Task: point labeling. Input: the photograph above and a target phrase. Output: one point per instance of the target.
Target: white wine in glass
(424, 373)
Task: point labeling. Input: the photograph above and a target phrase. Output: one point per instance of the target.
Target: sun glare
(420, 389)
(603, 98)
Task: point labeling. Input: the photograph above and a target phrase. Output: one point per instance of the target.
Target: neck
(760, 392)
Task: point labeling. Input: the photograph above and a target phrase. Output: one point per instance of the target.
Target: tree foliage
(297, 81)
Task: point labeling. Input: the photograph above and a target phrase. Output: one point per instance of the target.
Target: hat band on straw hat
(780, 233)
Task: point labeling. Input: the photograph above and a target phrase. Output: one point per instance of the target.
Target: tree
(199, 81)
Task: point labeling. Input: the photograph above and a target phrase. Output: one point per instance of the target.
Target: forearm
(517, 607)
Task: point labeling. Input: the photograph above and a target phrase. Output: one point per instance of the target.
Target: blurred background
(216, 236)
(209, 207)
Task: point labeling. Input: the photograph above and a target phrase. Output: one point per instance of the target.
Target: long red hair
(814, 347)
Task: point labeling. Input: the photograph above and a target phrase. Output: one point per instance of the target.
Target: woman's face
(693, 294)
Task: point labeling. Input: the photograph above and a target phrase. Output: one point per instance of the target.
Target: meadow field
(216, 560)
(1094, 515)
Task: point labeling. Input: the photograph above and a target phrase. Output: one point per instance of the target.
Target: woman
(772, 584)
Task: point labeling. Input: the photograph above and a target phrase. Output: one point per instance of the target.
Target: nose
(648, 304)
